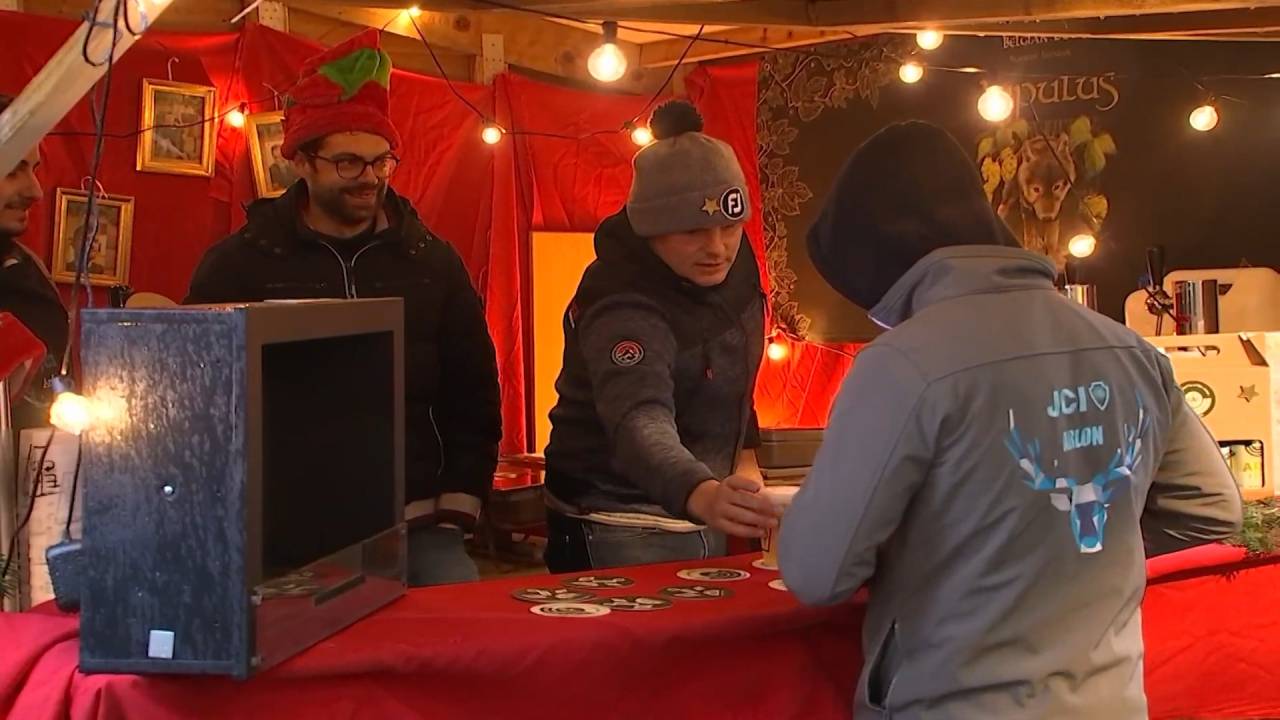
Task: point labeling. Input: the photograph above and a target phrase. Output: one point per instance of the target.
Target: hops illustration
(1098, 206)
(1008, 164)
(990, 176)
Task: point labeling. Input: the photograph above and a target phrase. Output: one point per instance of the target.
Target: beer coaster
(778, 585)
(552, 595)
(634, 603)
(696, 592)
(763, 564)
(713, 574)
(573, 610)
(599, 582)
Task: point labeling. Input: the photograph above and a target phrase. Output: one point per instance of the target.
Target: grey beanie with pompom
(685, 180)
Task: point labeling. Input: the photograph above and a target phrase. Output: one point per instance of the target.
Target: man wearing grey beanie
(651, 456)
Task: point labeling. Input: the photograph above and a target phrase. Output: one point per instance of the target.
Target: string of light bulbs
(996, 103)
(606, 63)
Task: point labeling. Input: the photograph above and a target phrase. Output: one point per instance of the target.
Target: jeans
(575, 545)
(438, 556)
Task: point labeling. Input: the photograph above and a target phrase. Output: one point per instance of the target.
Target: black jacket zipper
(349, 269)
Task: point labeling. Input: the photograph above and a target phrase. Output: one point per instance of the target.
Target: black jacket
(655, 395)
(27, 292)
(452, 414)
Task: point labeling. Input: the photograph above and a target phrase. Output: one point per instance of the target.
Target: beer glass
(780, 496)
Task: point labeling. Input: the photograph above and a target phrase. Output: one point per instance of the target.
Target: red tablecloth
(471, 651)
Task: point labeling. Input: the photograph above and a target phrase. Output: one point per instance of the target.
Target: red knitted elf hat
(344, 89)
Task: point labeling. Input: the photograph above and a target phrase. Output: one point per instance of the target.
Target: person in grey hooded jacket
(997, 466)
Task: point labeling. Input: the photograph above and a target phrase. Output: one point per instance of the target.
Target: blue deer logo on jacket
(1086, 501)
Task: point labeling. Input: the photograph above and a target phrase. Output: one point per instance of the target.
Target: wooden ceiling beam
(866, 14)
(1226, 23)
(695, 12)
(406, 54)
(734, 43)
(529, 42)
(203, 16)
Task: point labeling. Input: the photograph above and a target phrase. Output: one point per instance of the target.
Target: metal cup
(780, 496)
(1195, 306)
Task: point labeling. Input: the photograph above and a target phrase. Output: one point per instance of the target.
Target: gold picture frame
(177, 128)
(272, 174)
(109, 258)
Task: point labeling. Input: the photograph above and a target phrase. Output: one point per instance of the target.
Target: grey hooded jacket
(992, 467)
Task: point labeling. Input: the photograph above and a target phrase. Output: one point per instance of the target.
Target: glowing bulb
(491, 134)
(929, 39)
(414, 11)
(996, 104)
(777, 351)
(236, 118)
(1082, 245)
(607, 63)
(71, 412)
(641, 136)
(1204, 118)
(911, 72)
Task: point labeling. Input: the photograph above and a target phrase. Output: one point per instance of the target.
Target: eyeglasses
(350, 167)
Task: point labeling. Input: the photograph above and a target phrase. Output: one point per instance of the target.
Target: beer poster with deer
(1098, 144)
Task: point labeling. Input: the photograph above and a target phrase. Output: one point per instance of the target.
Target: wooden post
(274, 14)
(66, 77)
(492, 61)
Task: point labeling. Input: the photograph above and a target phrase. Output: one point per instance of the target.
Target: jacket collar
(274, 224)
(960, 270)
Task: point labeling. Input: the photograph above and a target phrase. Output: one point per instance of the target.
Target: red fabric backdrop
(569, 170)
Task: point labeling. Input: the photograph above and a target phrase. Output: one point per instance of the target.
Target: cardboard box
(1233, 382)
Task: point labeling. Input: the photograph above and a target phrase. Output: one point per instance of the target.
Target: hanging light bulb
(996, 104)
(641, 135)
(414, 11)
(1204, 118)
(607, 63)
(70, 412)
(492, 134)
(1082, 245)
(911, 72)
(777, 350)
(929, 39)
(237, 117)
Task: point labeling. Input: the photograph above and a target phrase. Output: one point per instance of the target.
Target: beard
(341, 203)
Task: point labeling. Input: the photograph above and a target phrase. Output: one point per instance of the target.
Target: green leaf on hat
(352, 71)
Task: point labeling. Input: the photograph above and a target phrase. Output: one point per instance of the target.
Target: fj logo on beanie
(685, 181)
(731, 204)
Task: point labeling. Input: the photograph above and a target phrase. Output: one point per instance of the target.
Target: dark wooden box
(185, 523)
(788, 448)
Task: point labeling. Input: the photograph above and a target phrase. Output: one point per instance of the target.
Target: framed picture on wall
(272, 174)
(109, 254)
(178, 129)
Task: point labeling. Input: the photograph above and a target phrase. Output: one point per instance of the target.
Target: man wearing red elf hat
(342, 232)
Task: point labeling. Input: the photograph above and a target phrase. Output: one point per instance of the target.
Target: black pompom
(674, 117)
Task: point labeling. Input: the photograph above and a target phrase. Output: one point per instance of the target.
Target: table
(472, 651)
